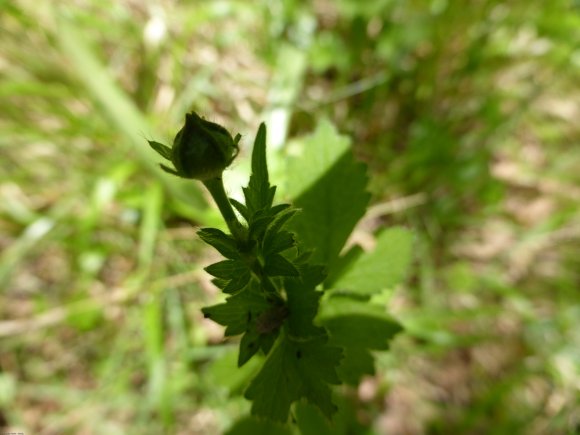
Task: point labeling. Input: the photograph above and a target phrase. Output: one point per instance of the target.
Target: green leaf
(266, 218)
(241, 208)
(251, 314)
(259, 194)
(320, 151)
(329, 187)
(259, 163)
(249, 345)
(310, 421)
(220, 283)
(342, 264)
(276, 265)
(274, 240)
(262, 331)
(358, 327)
(255, 426)
(259, 223)
(381, 268)
(227, 269)
(238, 282)
(357, 362)
(237, 313)
(303, 302)
(279, 208)
(223, 371)
(352, 323)
(252, 342)
(163, 150)
(271, 319)
(294, 370)
(280, 220)
(278, 242)
(224, 243)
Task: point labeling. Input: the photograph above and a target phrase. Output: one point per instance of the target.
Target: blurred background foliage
(467, 115)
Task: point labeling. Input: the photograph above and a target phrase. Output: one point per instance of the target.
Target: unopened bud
(201, 150)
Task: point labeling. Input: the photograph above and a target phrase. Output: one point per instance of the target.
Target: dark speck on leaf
(298, 354)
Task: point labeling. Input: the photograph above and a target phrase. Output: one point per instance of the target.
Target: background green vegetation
(466, 113)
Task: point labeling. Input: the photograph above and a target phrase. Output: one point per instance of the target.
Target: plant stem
(217, 191)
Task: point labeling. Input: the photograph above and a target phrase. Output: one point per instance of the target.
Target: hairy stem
(217, 191)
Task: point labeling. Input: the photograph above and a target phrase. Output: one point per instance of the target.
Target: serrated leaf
(249, 345)
(358, 327)
(311, 421)
(329, 187)
(241, 208)
(303, 256)
(223, 370)
(357, 362)
(381, 268)
(271, 319)
(352, 323)
(238, 282)
(255, 426)
(259, 194)
(303, 302)
(342, 264)
(237, 313)
(262, 331)
(279, 208)
(227, 269)
(220, 283)
(252, 342)
(276, 265)
(280, 219)
(320, 151)
(363, 331)
(224, 243)
(259, 163)
(275, 240)
(294, 370)
(259, 223)
(264, 219)
(278, 242)
(163, 150)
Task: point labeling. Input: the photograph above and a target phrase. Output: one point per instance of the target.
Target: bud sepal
(201, 150)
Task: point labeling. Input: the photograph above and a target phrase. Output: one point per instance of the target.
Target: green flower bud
(201, 149)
